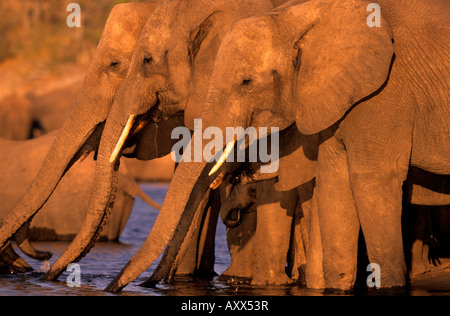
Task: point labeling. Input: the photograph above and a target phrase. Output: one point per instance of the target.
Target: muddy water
(105, 260)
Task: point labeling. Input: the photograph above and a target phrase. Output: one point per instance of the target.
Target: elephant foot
(192, 277)
(278, 279)
(233, 279)
(419, 259)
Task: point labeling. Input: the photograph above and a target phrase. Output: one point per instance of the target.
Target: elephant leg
(339, 224)
(314, 270)
(419, 249)
(240, 233)
(305, 253)
(296, 264)
(275, 212)
(378, 196)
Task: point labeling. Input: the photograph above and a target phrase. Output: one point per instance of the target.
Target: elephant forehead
(247, 50)
(120, 37)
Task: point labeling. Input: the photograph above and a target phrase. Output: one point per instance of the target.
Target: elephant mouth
(135, 124)
(234, 217)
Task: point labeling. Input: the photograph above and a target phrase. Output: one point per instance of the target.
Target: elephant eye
(246, 82)
(114, 64)
(235, 180)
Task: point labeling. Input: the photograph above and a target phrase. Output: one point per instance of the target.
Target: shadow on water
(105, 261)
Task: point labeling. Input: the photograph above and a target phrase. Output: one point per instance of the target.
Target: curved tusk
(222, 158)
(123, 138)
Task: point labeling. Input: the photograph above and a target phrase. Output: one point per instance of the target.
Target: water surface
(105, 260)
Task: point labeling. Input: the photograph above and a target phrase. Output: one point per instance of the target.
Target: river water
(105, 260)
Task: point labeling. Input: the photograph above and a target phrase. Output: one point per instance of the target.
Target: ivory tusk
(222, 158)
(123, 138)
(218, 181)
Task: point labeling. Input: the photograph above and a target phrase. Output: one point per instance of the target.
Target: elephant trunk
(78, 135)
(175, 251)
(186, 191)
(102, 199)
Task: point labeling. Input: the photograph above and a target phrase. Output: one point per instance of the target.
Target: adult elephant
(163, 80)
(81, 132)
(62, 215)
(312, 73)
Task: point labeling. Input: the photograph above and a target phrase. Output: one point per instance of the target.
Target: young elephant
(259, 220)
(270, 217)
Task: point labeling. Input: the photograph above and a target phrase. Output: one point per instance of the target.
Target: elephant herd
(362, 130)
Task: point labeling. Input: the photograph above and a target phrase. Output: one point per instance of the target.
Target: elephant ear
(204, 42)
(298, 159)
(338, 60)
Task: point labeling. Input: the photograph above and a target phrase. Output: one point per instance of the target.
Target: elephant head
(165, 86)
(81, 132)
(304, 64)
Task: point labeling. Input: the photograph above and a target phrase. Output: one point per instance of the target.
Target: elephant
(62, 215)
(86, 119)
(260, 249)
(51, 105)
(380, 109)
(16, 117)
(263, 253)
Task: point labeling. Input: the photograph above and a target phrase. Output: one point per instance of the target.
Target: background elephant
(284, 75)
(62, 215)
(51, 105)
(16, 117)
